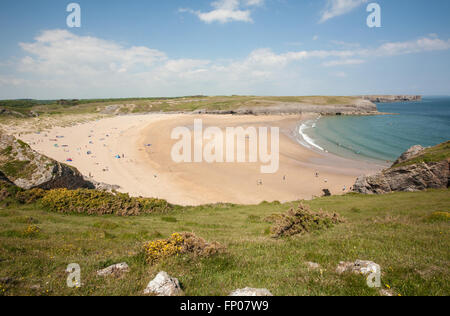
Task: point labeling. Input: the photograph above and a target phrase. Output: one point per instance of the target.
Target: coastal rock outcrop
(409, 154)
(27, 169)
(392, 98)
(416, 170)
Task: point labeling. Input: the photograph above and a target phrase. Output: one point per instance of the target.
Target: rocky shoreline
(417, 169)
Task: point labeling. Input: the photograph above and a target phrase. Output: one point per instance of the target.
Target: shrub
(439, 217)
(302, 220)
(93, 202)
(184, 243)
(8, 191)
(32, 230)
(30, 196)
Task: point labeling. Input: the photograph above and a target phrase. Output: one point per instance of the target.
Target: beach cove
(134, 152)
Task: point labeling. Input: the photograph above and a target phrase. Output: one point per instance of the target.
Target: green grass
(392, 230)
(433, 154)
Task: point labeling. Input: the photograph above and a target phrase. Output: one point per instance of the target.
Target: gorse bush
(93, 202)
(179, 243)
(30, 196)
(439, 217)
(31, 231)
(300, 221)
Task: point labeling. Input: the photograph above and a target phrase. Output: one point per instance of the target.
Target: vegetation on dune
(433, 154)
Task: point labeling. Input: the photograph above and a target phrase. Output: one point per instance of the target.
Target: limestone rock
(251, 292)
(410, 153)
(27, 169)
(358, 267)
(164, 285)
(387, 292)
(409, 177)
(114, 270)
(392, 98)
(416, 177)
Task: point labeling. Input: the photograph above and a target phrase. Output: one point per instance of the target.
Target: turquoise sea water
(383, 137)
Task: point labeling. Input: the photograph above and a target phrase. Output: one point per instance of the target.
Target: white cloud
(340, 74)
(343, 62)
(11, 81)
(61, 52)
(225, 11)
(60, 64)
(336, 8)
(424, 44)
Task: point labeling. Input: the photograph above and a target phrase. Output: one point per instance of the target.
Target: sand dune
(134, 152)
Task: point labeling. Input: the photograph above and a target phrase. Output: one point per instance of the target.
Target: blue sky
(223, 47)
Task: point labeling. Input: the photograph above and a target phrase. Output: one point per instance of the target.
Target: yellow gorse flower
(163, 248)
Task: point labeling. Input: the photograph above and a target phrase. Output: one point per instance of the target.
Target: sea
(381, 137)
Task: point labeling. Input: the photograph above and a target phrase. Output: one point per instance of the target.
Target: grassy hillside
(142, 105)
(433, 154)
(406, 233)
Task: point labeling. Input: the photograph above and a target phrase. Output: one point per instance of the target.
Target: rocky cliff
(392, 98)
(27, 169)
(417, 169)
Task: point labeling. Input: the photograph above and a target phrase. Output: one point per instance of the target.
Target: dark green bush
(300, 221)
(30, 196)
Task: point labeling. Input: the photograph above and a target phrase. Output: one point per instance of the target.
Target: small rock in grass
(251, 292)
(386, 292)
(35, 287)
(313, 265)
(164, 285)
(114, 269)
(358, 267)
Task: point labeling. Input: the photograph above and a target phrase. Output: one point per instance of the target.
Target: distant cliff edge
(391, 98)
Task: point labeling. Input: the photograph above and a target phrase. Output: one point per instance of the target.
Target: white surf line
(308, 141)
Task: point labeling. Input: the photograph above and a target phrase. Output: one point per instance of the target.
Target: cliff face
(27, 169)
(392, 98)
(417, 169)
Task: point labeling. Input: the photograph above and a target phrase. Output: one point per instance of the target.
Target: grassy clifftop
(429, 155)
(143, 105)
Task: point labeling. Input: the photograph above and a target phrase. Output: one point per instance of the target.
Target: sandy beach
(134, 152)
